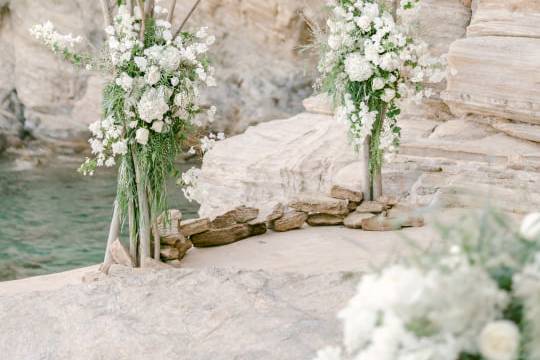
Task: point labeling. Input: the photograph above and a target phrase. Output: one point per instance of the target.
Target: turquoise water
(52, 219)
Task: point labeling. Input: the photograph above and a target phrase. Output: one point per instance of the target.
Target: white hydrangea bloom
(152, 105)
(357, 67)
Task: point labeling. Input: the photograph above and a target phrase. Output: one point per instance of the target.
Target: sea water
(53, 219)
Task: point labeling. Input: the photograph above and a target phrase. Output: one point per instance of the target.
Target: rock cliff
(495, 70)
(261, 73)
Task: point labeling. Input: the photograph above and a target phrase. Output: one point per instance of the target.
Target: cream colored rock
(290, 221)
(354, 219)
(522, 131)
(312, 203)
(319, 104)
(239, 215)
(120, 254)
(277, 211)
(380, 223)
(341, 192)
(370, 207)
(194, 226)
(169, 253)
(149, 263)
(274, 161)
(487, 77)
(351, 177)
(169, 226)
(519, 18)
(324, 220)
(223, 236)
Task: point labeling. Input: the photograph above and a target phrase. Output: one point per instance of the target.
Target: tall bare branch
(170, 15)
(149, 10)
(106, 12)
(130, 7)
(143, 21)
(187, 18)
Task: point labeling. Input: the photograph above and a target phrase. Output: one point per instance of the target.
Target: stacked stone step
(174, 243)
(235, 225)
(347, 207)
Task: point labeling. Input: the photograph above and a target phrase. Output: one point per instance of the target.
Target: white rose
(170, 58)
(119, 148)
(153, 75)
(141, 62)
(175, 81)
(499, 340)
(530, 227)
(378, 83)
(167, 35)
(357, 67)
(334, 42)
(389, 95)
(152, 105)
(157, 126)
(141, 135)
(363, 22)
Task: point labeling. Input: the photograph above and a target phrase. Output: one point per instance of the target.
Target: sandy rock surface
(178, 314)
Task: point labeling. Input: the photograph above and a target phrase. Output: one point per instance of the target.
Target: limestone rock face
(506, 18)
(495, 76)
(207, 314)
(260, 71)
(274, 161)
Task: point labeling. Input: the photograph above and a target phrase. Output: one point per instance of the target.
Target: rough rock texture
(509, 18)
(274, 162)
(495, 71)
(179, 314)
(313, 203)
(261, 73)
(290, 221)
(486, 77)
(194, 226)
(222, 236)
(340, 192)
(324, 220)
(354, 219)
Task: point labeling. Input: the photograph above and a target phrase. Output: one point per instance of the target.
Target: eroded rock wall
(261, 74)
(495, 71)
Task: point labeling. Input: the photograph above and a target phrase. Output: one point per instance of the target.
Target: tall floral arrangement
(149, 107)
(474, 297)
(369, 66)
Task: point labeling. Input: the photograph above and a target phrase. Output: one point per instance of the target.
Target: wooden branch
(106, 12)
(144, 212)
(157, 241)
(149, 10)
(395, 7)
(133, 241)
(143, 20)
(114, 233)
(170, 15)
(368, 190)
(130, 7)
(187, 18)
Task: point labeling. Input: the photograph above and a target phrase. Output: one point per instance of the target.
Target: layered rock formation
(274, 161)
(261, 74)
(495, 70)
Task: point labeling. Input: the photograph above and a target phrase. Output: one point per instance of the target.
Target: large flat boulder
(495, 76)
(179, 314)
(274, 161)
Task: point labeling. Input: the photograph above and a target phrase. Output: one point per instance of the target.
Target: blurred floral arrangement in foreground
(473, 296)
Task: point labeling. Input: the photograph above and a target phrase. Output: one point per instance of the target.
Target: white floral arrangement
(149, 108)
(475, 298)
(369, 66)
